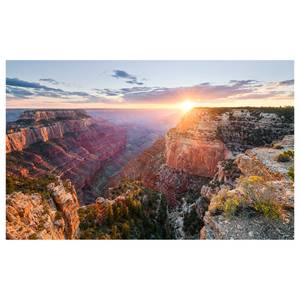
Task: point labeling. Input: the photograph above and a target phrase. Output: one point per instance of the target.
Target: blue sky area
(153, 84)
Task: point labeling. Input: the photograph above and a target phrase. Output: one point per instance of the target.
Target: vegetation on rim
(141, 213)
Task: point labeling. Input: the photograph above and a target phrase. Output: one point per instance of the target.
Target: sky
(148, 84)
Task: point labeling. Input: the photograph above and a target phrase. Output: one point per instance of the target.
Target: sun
(186, 106)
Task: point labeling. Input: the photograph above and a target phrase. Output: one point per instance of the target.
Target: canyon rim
(149, 155)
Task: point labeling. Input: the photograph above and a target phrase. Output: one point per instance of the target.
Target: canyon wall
(18, 141)
(42, 126)
(206, 136)
(74, 149)
(190, 153)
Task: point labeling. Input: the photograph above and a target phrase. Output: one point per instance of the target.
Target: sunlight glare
(186, 106)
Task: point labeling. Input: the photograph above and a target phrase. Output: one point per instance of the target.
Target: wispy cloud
(24, 89)
(234, 90)
(131, 79)
(287, 82)
(50, 80)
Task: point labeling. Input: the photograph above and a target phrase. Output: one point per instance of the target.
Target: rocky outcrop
(42, 126)
(31, 216)
(248, 226)
(65, 198)
(205, 137)
(259, 204)
(263, 161)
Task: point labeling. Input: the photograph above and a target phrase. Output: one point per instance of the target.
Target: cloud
(23, 89)
(22, 83)
(233, 90)
(107, 92)
(49, 80)
(208, 92)
(286, 82)
(15, 82)
(205, 91)
(18, 92)
(119, 74)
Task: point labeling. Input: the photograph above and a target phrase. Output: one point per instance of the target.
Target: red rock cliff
(42, 127)
(190, 153)
(74, 149)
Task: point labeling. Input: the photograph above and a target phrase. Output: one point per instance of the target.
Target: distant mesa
(56, 114)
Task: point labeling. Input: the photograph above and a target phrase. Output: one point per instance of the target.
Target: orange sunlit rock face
(195, 156)
(193, 147)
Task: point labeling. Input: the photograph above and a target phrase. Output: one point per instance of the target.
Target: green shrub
(217, 202)
(29, 185)
(262, 196)
(285, 156)
(231, 204)
(226, 201)
(291, 173)
(125, 230)
(269, 208)
(10, 185)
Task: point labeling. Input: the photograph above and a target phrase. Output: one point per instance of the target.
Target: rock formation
(225, 172)
(206, 136)
(190, 153)
(65, 198)
(65, 143)
(259, 204)
(42, 126)
(32, 216)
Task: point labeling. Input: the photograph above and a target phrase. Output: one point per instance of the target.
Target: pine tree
(110, 215)
(125, 230)
(114, 233)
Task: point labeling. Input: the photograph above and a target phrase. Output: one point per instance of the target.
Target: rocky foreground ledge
(259, 204)
(50, 215)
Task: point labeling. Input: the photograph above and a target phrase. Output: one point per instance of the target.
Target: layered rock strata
(56, 143)
(191, 153)
(42, 126)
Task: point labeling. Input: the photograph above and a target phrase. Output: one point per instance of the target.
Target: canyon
(204, 167)
(195, 158)
(74, 146)
(189, 154)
